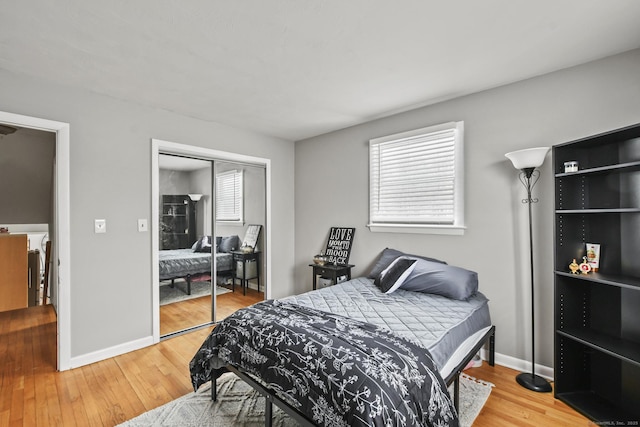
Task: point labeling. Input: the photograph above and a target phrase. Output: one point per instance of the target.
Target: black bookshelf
(177, 222)
(597, 315)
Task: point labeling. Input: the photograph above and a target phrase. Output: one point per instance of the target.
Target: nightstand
(244, 258)
(331, 271)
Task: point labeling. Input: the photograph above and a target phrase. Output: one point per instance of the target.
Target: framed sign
(339, 245)
(252, 235)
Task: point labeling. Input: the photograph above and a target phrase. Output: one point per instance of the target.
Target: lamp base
(533, 382)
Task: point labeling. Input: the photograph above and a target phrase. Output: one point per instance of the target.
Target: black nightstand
(243, 258)
(331, 272)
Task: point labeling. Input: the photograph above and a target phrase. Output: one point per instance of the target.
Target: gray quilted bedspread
(438, 323)
(181, 262)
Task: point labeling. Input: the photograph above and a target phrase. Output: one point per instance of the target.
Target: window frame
(410, 226)
(240, 176)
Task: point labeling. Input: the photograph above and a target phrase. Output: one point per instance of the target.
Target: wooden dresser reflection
(14, 272)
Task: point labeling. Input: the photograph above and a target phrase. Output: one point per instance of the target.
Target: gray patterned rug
(239, 405)
(169, 295)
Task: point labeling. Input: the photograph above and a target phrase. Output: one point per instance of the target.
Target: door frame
(158, 147)
(61, 246)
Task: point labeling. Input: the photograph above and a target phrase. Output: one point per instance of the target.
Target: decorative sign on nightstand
(339, 245)
(251, 237)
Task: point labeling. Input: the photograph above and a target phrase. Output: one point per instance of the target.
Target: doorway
(189, 227)
(59, 227)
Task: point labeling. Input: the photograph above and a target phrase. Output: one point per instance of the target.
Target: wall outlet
(142, 225)
(100, 226)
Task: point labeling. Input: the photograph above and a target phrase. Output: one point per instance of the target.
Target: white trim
(417, 229)
(107, 353)
(166, 147)
(61, 270)
(519, 364)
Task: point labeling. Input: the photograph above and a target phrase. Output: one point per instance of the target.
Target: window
(229, 196)
(416, 181)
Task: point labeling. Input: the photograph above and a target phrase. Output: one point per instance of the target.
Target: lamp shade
(528, 158)
(195, 197)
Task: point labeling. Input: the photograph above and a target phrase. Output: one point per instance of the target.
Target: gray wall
(254, 208)
(332, 186)
(26, 177)
(111, 178)
(254, 200)
(200, 183)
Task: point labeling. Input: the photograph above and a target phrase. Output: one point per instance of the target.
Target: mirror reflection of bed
(185, 297)
(189, 236)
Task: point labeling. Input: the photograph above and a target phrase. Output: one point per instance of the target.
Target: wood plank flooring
(512, 405)
(186, 314)
(107, 393)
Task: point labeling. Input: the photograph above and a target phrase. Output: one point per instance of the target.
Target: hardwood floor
(107, 393)
(186, 314)
(512, 405)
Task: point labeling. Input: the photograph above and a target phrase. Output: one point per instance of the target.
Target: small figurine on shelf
(584, 266)
(574, 267)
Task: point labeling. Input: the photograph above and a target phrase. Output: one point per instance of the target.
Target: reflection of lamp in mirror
(195, 198)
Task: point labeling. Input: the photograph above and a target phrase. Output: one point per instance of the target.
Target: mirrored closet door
(211, 262)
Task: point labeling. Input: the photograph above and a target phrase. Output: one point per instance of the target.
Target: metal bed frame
(270, 397)
(189, 276)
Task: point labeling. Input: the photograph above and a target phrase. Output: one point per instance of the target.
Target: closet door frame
(167, 147)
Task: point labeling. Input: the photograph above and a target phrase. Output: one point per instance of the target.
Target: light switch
(142, 225)
(100, 226)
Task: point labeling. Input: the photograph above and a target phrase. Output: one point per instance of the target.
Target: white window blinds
(229, 196)
(415, 177)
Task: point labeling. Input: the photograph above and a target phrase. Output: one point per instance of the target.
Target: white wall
(111, 179)
(332, 186)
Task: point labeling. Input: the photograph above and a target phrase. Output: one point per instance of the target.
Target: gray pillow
(441, 279)
(387, 256)
(394, 275)
(228, 244)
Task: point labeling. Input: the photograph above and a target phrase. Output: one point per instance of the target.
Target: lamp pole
(529, 177)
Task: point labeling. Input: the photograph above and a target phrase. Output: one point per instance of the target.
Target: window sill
(417, 229)
(237, 223)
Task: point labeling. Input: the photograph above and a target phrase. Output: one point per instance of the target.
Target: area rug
(239, 405)
(169, 295)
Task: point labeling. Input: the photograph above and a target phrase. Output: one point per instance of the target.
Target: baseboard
(110, 352)
(518, 364)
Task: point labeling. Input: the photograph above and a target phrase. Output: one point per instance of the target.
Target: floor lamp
(527, 161)
(195, 198)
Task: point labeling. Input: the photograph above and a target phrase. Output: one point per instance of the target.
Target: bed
(303, 353)
(187, 263)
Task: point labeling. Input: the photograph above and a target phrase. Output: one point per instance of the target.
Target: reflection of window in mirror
(229, 197)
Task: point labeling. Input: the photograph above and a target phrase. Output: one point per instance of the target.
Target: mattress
(439, 324)
(182, 262)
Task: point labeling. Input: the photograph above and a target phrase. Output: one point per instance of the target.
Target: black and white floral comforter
(335, 370)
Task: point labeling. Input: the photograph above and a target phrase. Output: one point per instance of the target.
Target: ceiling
(300, 68)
